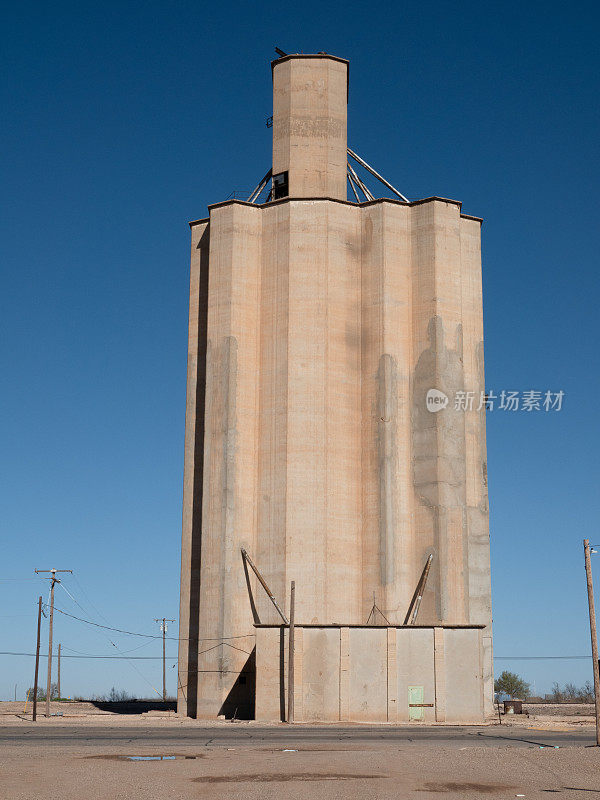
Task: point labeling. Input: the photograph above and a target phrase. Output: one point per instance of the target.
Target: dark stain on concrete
(282, 777)
(387, 457)
(438, 441)
(152, 756)
(366, 236)
(483, 505)
(228, 431)
(480, 788)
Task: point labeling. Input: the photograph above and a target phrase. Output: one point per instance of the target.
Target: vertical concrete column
(389, 567)
(192, 483)
(271, 554)
(486, 706)
(438, 438)
(439, 664)
(392, 676)
(476, 494)
(344, 674)
(307, 409)
(268, 675)
(374, 524)
(298, 673)
(230, 447)
(323, 405)
(310, 124)
(310, 468)
(343, 445)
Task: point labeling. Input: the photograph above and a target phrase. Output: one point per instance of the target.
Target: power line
(245, 636)
(149, 635)
(171, 658)
(64, 655)
(116, 646)
(127, 658)
(74, 599)
(132, 650)
(86, 595)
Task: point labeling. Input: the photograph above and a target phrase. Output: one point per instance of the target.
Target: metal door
(415, 702)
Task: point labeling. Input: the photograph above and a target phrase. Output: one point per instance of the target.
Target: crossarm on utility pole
(263, 583)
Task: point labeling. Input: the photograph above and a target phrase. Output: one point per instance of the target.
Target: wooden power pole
(163, 627)
(593, 633)
(58, 672)
(37, 660)
(53, 581)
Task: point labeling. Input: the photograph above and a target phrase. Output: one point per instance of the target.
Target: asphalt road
(300, 737)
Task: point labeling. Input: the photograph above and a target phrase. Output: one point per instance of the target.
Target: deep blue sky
(121, 122)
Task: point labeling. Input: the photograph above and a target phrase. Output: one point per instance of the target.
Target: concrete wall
(318, 331)
(366, 673)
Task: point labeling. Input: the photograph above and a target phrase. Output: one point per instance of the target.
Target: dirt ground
(49, 767)
(542, 715)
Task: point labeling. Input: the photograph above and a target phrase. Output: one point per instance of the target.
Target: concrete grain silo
(324, 335)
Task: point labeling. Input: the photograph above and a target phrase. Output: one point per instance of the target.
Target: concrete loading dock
(372, 673)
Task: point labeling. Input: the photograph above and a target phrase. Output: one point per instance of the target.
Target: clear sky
(121, 122)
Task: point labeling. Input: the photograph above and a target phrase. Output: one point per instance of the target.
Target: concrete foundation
(372, 674)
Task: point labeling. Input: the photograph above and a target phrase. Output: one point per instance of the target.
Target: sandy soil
(541, 716)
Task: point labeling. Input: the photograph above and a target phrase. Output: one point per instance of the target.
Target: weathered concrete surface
(309, 124)
(317, 327)
(370, 673)
(193, 485)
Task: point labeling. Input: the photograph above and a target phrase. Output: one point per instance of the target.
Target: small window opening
(281, 186)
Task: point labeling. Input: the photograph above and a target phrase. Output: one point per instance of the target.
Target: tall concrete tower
(317, 328)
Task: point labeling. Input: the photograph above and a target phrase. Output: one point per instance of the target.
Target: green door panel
(415, 696)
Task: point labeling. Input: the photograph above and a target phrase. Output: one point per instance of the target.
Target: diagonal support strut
(263, 583)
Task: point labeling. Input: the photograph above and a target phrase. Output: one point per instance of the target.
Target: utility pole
(594, 634)
(54, 580)
(37, 661)
(163, 627)
(58, 675)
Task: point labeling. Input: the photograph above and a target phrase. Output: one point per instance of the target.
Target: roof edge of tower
(290, 56)
(447, 625)
(337, 200)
